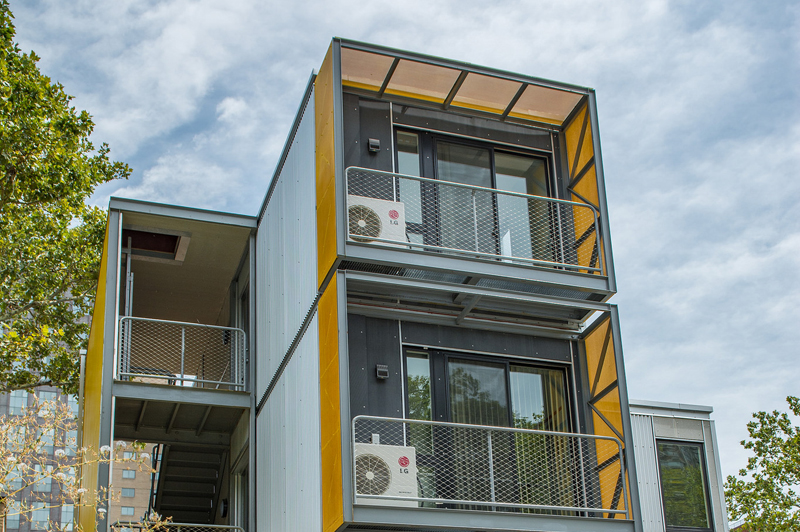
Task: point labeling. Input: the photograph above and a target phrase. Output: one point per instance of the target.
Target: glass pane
(539, 402)
(422, 81)
(486, 93)
(419, 386)
(466, 216)
(683, 484)
(478, 393)
(525, 226)
(539, 399)
(408, 164)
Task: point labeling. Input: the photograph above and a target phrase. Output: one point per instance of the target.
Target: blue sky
(699, 117)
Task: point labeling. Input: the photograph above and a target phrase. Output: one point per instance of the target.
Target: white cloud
(697, 104)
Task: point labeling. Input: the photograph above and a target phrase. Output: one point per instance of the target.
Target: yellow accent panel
(330, 412)
(587, 150)
(587, 187)
(92, 396)
(608, 483)
(326, 168)
(572, 134)
(593, 344)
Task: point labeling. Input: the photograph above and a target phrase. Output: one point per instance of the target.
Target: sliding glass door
(472, 465)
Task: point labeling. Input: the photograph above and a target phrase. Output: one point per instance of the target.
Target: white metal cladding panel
(714, 478)
(644, 449)
(289, 477)
(287, 253)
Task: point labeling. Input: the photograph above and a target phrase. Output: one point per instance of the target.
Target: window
(17, 402)
(127, 510)
(72, 401)
(40, 516)
(14, 479)
(12, 515)
(128, 492)
(467, 219)
(71, 442)
(46, 396)
(128, 473)
(128, 455)
(44, 481)
(16, 439)
(67, 517)
(684, 487)
(47, 438)
(487, 391)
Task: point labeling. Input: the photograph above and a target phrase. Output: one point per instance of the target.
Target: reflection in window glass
(408, 164)
(420, 437)
(683, 484)
(466, 217)
(524, 224)
(539, 399)
(478, 393)
(419, 386)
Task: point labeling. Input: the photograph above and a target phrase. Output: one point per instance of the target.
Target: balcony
(408, 463)
(135, 526)
(434, 216)
(181, 354)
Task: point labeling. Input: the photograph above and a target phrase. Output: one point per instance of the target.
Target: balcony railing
(137, 526)
(182, 354)
(446, 217)
(485, 468)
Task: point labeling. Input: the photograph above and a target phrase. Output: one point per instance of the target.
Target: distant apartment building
(44, 493)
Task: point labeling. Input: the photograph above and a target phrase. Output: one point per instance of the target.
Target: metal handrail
(145, 356)
(578, 468)
(560, 232)
(173, 527)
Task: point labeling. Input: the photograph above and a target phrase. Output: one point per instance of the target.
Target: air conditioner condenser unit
(376, 220)
(388, 470)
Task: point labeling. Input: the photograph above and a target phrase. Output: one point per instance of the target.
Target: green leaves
(50, 240)
(766, 491)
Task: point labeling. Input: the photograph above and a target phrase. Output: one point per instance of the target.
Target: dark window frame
(427, 144)
(706, 486)
(438, 365)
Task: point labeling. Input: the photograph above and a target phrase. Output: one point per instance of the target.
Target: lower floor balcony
(407, 463)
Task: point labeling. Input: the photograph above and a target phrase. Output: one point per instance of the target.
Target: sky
(699, 119)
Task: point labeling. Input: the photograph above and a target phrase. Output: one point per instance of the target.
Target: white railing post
(491, 465)
(183, 353)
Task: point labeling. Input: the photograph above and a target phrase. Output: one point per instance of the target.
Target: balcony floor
(171, 414)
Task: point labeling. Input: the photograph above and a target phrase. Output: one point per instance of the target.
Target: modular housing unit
(412, 334)
(679, 475)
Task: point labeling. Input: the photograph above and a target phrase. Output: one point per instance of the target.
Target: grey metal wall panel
(289, 495)
(644, 449)
(374, 341)
(486, 341)
(286, 266)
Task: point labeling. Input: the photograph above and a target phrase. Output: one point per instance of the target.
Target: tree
(40, 466)
(766, 491)
(50, 239)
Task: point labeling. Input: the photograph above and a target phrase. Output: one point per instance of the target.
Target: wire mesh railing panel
(121, 526)
(182, 354)
(481, 467)
(442, 216)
